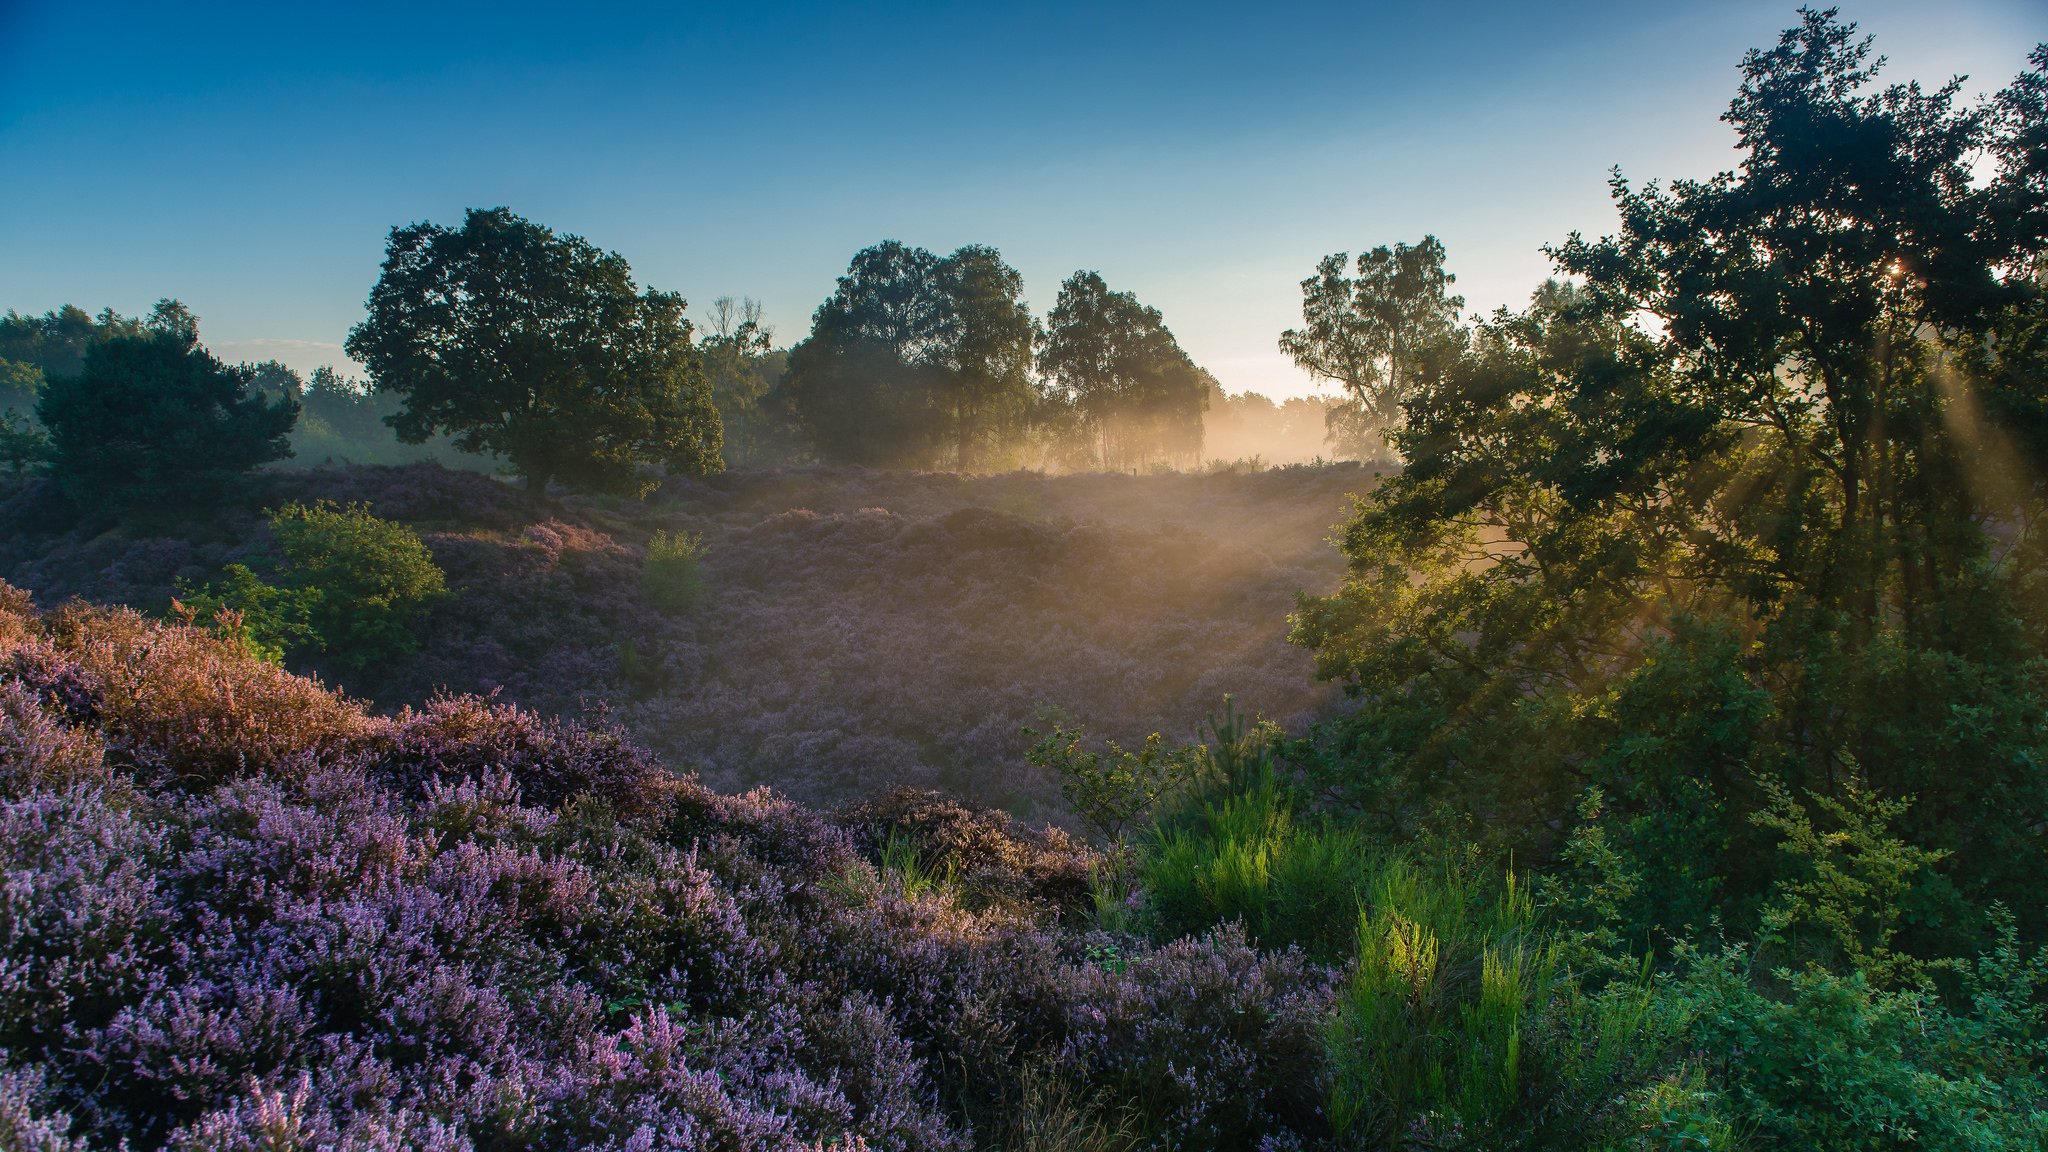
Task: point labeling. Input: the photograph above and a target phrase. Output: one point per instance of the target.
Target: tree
(737, 350)
(916, 358)
(22, 444)
(1379, 336)
(989, 383)
(864, 385)
(538, 348)
(153, 424)
(55, 343)
(1759, 494)
(1111, 360)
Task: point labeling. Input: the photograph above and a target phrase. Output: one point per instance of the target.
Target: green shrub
(1821, 1060)
(373, 578)
(1228, 847)
(266, 621)
(670, 577)
(1461, 1025)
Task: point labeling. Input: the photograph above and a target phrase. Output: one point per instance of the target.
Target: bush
(266, 621)
(439, 932)
(669, 577)
(370, 580)
(174, 705)
(1228, 847)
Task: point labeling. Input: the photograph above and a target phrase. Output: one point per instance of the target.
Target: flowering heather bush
(463, 927)
(856, 631)
(1212, 1034)
(176, 705)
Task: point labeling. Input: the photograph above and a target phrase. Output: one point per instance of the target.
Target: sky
(250, 160)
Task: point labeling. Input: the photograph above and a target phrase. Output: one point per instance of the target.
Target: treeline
(915, 361)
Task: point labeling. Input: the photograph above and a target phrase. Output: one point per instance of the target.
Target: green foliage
(1111, 790)
(38, 348)
(1238, 854)
(1379, 336)
(1821, 1060)
(913, 874)
(343, 421)
(265, 620)
(1844, 901)
(669, 576)
(20, 384)
(916, 360)
(153, 425)
(22, 444)
(370, 579)
(1743, 502)
(1681, 1112)
(742, 365)
(538, 348)
(1135, 396)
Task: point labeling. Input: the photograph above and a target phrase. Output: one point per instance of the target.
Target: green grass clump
(670, 577)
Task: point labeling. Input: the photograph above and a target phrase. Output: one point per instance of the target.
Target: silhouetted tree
(153, 424)
(989, 385)
(539, 348)
(1378, 335)
(915, 359)
(55, 343)
(737, 351)
(1111, 360)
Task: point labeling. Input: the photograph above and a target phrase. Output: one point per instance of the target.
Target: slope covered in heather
(238, 911)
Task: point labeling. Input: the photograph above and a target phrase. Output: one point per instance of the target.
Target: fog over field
(857, 630)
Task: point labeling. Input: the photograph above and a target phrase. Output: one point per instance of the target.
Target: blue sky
(250, 159)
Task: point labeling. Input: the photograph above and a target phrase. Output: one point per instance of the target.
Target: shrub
(368, 580)
(453, 738)
(1229, 848)
(175, 705)
(1210, 1042)
(265, 620)
(1821, 1060)
(670, 577)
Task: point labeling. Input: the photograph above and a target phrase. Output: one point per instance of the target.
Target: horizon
(1200, 159)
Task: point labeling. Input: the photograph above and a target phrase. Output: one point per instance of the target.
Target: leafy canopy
(1379, 336)
(374, 577)
(1112, 363)
(539, 348)
(153, 425)
(917, 359)
(1757, 494)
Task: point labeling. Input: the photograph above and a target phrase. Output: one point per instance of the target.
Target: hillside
(859, 630)
(237, 911)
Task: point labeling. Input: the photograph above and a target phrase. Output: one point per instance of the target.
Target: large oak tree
(537, 347)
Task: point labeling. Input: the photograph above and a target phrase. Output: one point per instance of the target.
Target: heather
(834, 633)
(467, 927)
